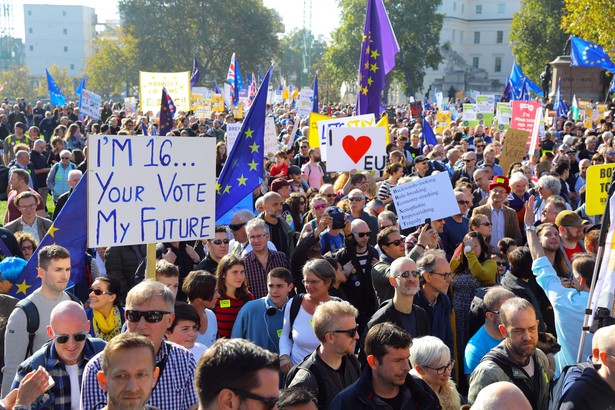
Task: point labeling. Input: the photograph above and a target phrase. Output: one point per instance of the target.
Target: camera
(338, 217)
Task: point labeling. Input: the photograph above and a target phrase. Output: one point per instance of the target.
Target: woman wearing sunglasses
(233, 288)
(431, 361)
(318, 204)
(105, 314)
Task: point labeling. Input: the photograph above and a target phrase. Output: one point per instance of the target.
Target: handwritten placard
(271, 137)
(598, 180)
(362, 148)
(304, 105)
(325, 128)
(150, 90)
(90, 104)
(232, 131)
(514, 149)
(147, 190)
(524, 114)
(429, 197)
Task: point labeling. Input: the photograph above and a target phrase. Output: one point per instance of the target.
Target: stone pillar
(584, 82)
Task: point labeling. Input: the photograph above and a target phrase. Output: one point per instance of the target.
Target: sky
(325, 13)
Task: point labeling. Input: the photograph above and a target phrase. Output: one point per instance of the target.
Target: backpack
(477, 310)
(32, 319)
(295, 305)
(559, 387)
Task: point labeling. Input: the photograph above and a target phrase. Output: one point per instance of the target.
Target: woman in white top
(202, 292)
(298, 339)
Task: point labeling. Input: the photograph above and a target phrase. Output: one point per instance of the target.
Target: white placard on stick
(362, 148)
(304, 105)
(271, 137)
(429, 197)
(232, 131)
(325, 127)
(148, 190)
(90, 104)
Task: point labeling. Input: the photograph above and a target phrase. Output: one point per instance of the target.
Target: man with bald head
(501, 396)
(282, 235)
(64, 356)
(467, 169)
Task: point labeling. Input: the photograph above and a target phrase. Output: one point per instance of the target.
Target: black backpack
(33, 320)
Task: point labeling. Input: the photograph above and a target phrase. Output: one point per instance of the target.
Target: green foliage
(15, 83)
(114, 53)
(417, 26)
(536, 35)
(592, 21)
(292, 48)
(61, 77)
(169, 33)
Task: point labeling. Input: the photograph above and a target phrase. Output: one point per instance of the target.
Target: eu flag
(55, 94)
(378, 50)
(507, 94)
(559, 105)
(243, 169)
(81, 86)
(586, 54)
(516, 79)
(429, 138)
(68, 230)
(315, 98)
(196, 73)
(167, 112)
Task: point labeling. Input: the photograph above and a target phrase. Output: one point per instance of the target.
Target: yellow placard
(217, 102)
(150, 90)
(598, 179)
(384, 122)
(443, 121)
(313, 137)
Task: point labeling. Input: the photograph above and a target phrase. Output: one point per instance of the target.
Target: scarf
(106, 327)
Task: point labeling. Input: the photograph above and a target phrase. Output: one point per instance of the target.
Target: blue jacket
(360, 395)
(253, 323)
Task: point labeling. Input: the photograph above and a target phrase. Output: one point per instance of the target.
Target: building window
(63, 13)
(454, 6)
(463, 8)
(29, 12)
(475, 62)
(72, 66)
(65, 31)
(477, 37)
(500, 37)
(66, 49)
(30, 30)
(461, 37)
(479, 9)
(498, 64)
(31, 48)
(501, 8)
(454, 36)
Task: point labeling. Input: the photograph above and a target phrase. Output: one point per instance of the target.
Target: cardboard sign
(598, 180)
(147, 190)
(271, 137)
(304, 105)
(150, 90)
(514, 148)
(429, 197)
(325, 127)
(362, 148)
(443, 121)
(89, 104)
(524, 114)
(232, 131)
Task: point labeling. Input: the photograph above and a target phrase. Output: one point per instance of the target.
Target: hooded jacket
(589, 392)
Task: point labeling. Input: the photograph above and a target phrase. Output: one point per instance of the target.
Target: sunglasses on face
(501, 263)
(99, 292)
(236, 227)
(406, 274)
(329, 195)
(351, 332)
(464, 202)
(319, 206)
(355, 199)
(269, 402)
(363, 234)
(150, 316)
(219, 241)
(77, 337)
(486, 224)
(396, 242)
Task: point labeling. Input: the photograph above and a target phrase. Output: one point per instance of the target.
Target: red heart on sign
(356, 147)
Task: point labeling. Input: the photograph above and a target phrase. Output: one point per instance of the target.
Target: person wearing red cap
(503, 218)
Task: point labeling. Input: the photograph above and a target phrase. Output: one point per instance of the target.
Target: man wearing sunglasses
(149, 312)
(216, 249)
(236, 373)
(392, 246)
(240, 245)
(64, 356)
(358, 200)
(332, 366)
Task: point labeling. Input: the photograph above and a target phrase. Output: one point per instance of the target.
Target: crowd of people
(317, 298)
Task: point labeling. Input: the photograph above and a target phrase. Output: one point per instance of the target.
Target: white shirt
(75, 386)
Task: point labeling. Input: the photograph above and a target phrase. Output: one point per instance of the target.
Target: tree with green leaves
(417, 26)
(15, 83)
(592, 21)
(298, 50)
(536, 35)
(61, 77)
(170, 33)
(113, 53)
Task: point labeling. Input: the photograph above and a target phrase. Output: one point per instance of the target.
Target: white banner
(363, 149)
(232, 131)
(148, 190)
(90, 104)
(325, 127)
(304, 105)
(271, 137)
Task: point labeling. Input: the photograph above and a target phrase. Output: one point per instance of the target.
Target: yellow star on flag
(242, 180)
(227, 189)
(363, 38)
(370, 81)
(366, 65)
(365, 90)
(253, 165)
(22, 287)
(249, 133)
(375, 54)
(52, 230)
(373, 67)
(367, 50)
(218, 187)
(254, 147)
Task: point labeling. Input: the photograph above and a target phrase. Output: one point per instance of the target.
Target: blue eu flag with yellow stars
(378, 50)
(244, 166)
(517, 78)
(55, 94)
(68, 230)
(167, 112)
(587, 54)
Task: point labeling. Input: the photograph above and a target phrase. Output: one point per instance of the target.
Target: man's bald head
(358, 224)
(604, 339)
(501, 396)
(67, 311)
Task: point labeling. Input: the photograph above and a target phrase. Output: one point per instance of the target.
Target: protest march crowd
(318, 298)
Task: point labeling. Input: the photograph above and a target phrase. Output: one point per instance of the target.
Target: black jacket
(589, 392)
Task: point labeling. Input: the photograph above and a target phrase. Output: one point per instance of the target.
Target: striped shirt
(226, 311)
(174, 390)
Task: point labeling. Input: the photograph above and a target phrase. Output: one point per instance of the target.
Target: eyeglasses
(150, 316)
(468, 160)
(64, 157)
(464, 202)
(356, 199)
(443, 369)
(26, 207)
(236, 227)
(406, 274)
(270, 402)
(257, 237)
(396, 242)
(363, 234)
(99, 292)
(311, 282)
(305, 146)
(495, 312)
(27, 248)
(480, 146)
(485, 224)
(351, 332)
(77, 337)
(501, 263)
(445, 276)
(319, 206)
(329, 195)
(384, 227)
(219, 241)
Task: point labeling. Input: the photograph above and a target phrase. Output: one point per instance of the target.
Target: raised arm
(532, 238)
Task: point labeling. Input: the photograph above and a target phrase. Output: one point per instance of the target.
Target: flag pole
(150, 261)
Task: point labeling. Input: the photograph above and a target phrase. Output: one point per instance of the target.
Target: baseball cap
(569, 218)
(278, 184)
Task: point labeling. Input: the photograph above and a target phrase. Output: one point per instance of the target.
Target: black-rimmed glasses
(77, 337)
(269, 402)
(443, 369)
(150, 316)
(351, 332)
(406, 274)
(445, 276)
